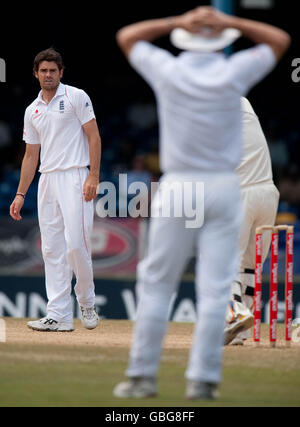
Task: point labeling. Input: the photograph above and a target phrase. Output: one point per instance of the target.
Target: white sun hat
(185, 40)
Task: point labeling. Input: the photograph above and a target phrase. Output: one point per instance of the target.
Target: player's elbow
(282, 44)
(287, 40)
(121, 37)
(32, 156)
(125, 40)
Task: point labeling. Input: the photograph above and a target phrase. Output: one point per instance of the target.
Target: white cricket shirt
(199, 103)
(57, 127)
(256, 165)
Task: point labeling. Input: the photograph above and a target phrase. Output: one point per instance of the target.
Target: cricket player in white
(260, 205)
(60, 125)
(199, 106)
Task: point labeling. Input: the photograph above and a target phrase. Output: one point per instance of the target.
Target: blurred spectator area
(124, 104)
(8, 187)
(284, 144)
(130, 146)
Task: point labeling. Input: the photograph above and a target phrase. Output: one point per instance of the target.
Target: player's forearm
(28, 170)
(95, 147)
(260, 32)
(147, 30)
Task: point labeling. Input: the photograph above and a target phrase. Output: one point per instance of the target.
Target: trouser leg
(170, 246)
(58, 273)
(78, 220)
(218, 249)
(262, 202)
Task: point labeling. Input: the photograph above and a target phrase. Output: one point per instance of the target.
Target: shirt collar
(60, 91)
(198, 58)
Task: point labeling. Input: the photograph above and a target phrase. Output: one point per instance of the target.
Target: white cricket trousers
(66, 222)
(170, 246)
(260, 203)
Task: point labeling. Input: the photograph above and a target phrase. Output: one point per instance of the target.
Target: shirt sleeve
(250, 66)
(84, 107)
(30, 134)
(151, 62)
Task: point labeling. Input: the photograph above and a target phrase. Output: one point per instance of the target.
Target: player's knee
(48, 252)
(76, 252)
(218, 291)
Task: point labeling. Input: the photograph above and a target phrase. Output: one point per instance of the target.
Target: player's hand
(202, 18)
(15, 208)
(90, 188)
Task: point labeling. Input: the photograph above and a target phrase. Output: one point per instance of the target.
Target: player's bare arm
(28, 170)
(195, 20)
(150, 30)
(258, 32)
(92, 182)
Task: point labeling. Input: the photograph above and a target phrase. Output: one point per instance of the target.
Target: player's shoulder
(31, 107)
(75, 95)
(145, 52)
(34, 102)
(247, 108)
(74, 91)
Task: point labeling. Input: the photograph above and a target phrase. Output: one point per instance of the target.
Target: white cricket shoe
(241, 338)
(49, 325)
(238, 341)
(239, 320)
(199, 390)
(89, 318)
(139, 388)
(242, 323)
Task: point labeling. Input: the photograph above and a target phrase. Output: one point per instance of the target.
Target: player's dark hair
(50, 55)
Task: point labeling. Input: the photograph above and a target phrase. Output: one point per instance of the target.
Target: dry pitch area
(81, 368)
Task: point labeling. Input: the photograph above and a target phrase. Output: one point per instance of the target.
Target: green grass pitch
(80, 369)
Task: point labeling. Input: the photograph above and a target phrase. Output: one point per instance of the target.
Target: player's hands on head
(90, 188)
(15, 208)
(204, 17)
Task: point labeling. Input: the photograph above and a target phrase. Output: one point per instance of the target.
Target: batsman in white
(260, 206)
(60, 126)
(199, 106)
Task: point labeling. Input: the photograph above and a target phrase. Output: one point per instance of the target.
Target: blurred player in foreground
(61, 124)
(199, 104)
(260, 205)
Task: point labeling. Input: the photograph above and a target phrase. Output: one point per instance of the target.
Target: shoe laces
(48, 321)
(88, 313)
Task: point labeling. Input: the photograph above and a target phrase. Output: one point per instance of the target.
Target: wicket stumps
(274, 283)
